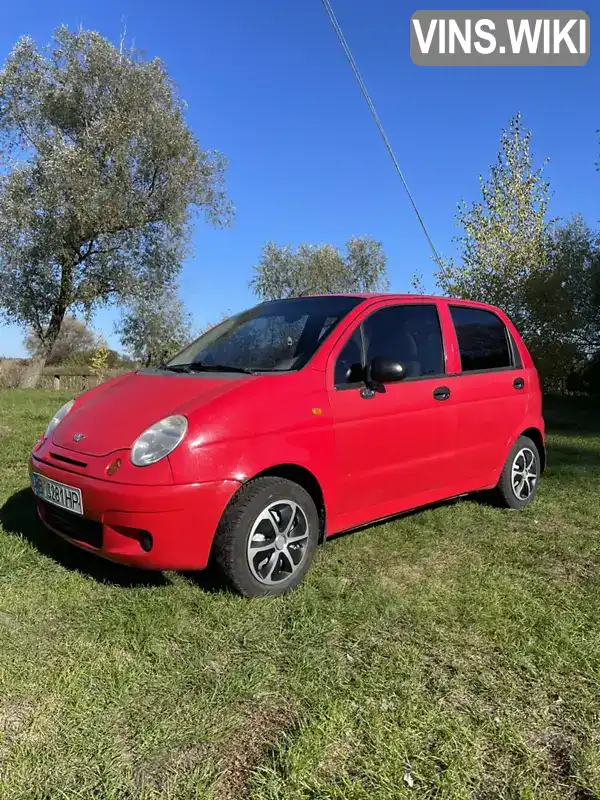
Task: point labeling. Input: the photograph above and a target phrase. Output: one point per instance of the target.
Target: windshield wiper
(175, 367)
(198, 366)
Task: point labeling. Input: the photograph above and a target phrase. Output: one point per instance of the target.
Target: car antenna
(363, 88)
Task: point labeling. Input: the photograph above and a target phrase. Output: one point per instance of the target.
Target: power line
(363, 88)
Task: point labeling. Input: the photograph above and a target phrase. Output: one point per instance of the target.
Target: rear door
(490, 392)
(394, 449)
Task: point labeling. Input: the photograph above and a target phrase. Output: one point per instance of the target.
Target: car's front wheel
(520, 476)
(267, 537)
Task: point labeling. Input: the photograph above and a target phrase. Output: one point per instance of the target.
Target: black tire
(274, 498)
(507, 492)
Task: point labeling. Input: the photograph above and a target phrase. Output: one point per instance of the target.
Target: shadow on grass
(18, 516)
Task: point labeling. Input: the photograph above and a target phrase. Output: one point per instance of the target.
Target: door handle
(518, 383)
(441, 393)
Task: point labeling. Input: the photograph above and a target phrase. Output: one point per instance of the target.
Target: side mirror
(386, 370)
(355, 373)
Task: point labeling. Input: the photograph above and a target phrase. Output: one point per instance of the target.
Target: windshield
(273, 337)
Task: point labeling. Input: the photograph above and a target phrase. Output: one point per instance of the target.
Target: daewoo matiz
(293, 421)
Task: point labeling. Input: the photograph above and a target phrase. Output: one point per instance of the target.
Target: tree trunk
(33, 371)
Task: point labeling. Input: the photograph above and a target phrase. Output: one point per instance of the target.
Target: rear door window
(483, 340)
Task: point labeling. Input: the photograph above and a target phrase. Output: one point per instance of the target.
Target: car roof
(366, 296)
(393, 296)
(405, 298)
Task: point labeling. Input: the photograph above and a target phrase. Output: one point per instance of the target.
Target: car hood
(113, 416)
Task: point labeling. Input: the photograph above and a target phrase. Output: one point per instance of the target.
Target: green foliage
(101, 180)
(564, 296)
(562, 303)
(505, 234)
(156, 326)
(544, 274)
(320, 269)
(99, 360)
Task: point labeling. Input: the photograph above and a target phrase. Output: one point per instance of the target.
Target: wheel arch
(537, 438)
(304, 478)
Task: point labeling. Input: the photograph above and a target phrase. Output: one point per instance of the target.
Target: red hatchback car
(293, 421)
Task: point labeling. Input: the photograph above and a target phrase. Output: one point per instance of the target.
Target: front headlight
(58, 417)
(158, 440)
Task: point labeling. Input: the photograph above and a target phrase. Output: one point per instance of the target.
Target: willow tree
(320, 269)
(155, 326)
(102, 179)
(505, 235)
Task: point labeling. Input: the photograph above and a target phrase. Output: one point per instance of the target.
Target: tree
(99, 359)
(505, 235)
(563, 298)
(564, 295)
(74, 339)
(155, 327)
(101, 182)
(544, 273)
(320, 269)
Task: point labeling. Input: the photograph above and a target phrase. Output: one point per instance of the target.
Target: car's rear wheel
(520, 476)
(267, 537)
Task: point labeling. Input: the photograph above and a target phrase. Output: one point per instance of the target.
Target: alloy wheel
(524, 473)
(278, 541)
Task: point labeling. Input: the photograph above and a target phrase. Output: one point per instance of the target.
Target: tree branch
(80, 257)
(122, 229)
(153, 182)
(104, 250)
(26, 135)
(104, 288)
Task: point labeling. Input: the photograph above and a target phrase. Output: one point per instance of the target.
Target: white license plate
(59, 494)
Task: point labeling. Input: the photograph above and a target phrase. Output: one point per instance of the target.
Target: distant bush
(73, 377)
(114, 360)
(11, 370)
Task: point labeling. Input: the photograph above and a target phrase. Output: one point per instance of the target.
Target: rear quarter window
(483, 340)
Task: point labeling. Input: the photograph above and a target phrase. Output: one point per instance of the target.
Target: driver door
(393, 448)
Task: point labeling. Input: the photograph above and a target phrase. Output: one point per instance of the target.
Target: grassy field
(454, 653)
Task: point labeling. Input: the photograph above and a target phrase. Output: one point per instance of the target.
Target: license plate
(59, 494)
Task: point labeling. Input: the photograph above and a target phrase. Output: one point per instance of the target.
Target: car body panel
(113, 419)
(391, 447)
(371, 457)
(181, 519)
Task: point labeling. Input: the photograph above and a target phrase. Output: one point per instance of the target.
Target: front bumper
(180, 519)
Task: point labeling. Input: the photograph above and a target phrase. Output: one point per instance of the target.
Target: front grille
(67, 460)
(72, 525)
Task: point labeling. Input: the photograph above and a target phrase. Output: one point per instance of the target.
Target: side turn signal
(113, 466)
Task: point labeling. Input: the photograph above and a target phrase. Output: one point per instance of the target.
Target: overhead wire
(367, 97)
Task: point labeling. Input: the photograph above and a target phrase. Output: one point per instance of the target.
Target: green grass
(454, 653)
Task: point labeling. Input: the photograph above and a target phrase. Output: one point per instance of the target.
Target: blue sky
(266, 83)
